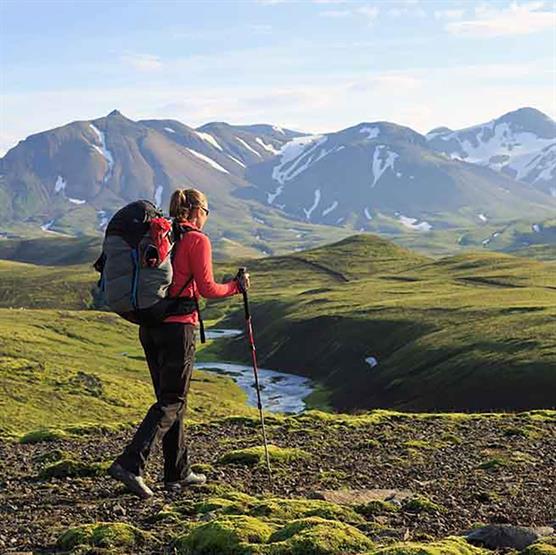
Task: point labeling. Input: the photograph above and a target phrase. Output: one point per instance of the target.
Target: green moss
(421, 504)
(539, 548)
(37, 436)
(70, 468)
(256, 455)
(290, 509)
(226, 535)
(448, 546)
(493, 463)
(377, 507)
(103, 534)
(51, 456)
(318, 536)
(203, 468)
(232, 502)
(422, 444)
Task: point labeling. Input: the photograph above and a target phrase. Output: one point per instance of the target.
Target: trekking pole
(249, 325)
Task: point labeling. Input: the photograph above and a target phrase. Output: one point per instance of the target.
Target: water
(280, 392)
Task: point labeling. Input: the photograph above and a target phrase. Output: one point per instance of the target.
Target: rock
(498, 536)
(360, 496)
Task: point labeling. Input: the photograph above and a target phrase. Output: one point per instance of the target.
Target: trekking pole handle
(240, 277)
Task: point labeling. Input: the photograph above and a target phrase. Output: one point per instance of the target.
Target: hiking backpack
(136, 265)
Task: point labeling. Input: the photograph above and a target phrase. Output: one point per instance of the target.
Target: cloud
(407, 12)
(336, 13)
(142, 62)
(370, 12)
(448, 14)
(516, 19)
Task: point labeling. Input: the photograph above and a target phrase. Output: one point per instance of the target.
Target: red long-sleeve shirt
(193, 256)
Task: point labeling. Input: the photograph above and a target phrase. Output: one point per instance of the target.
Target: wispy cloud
(370, 12)
(448, 14)
(336, 13)
(142, 62)
(516, 19)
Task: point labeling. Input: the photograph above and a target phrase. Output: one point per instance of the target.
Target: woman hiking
(170, 350)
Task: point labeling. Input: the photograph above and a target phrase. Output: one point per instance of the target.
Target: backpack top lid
(132, 221)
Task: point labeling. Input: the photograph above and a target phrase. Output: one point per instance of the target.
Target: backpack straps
(179, 231)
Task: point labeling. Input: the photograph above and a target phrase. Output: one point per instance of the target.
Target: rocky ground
(465, 470)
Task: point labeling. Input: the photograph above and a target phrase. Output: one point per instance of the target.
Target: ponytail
(183, 201)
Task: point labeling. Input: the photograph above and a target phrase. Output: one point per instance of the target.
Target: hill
(471, 332)
(377, 325)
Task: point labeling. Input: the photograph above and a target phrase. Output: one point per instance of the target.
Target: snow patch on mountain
(248, 147)
(332, 207)
(367, 214)
(158, 195)
(411, 223)
(268, 148)
(278, 129)
(237, 161)
(499, 146)
(482, 217)
(102, 219)
(313, 206)
(60, 184)
(296, 156)
(77, 201)
(208, 160)
(371, 361)
(169, 129)
(372, 132)
(383, 158)
(271, 196)
(47, 226)
(536, 228)
(103, 151)
(207, 137)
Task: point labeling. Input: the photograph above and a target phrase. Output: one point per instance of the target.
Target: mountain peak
(114, 113)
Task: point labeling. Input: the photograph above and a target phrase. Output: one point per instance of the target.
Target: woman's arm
(201, 265)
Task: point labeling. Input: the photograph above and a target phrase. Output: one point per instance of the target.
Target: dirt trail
(480, 470)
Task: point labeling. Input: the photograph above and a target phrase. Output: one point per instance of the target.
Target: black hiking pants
(170, 353)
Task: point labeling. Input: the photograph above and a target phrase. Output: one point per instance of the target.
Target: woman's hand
(243, 280)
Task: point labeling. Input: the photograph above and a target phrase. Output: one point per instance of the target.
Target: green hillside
(469, 332)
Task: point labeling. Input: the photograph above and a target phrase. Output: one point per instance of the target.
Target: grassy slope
(70, 368)
(473, 331)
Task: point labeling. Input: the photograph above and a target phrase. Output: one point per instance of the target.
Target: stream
(280, 392)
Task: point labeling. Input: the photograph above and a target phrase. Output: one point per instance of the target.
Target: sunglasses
(206, 210)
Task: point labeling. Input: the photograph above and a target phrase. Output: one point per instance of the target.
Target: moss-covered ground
(59, 490)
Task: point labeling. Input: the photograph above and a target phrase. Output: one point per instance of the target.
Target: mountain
(273, 189)
(384, 177)
(520, 144)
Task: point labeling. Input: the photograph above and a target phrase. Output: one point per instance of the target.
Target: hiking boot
(134, 483)
(191, 479)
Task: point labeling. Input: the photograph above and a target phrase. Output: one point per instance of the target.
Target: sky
(312, 65)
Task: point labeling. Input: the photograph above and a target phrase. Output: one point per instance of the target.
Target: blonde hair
(183, 200)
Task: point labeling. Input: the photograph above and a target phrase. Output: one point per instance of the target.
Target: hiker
(170, 349)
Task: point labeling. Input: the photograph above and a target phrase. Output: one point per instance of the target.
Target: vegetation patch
(225, 535)
(37, 436)
(421, 504)
(539, 548)
(256, 455)
(448, 546)
(377, 507)
(103, 534)
(70, 468)
(318, 536)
